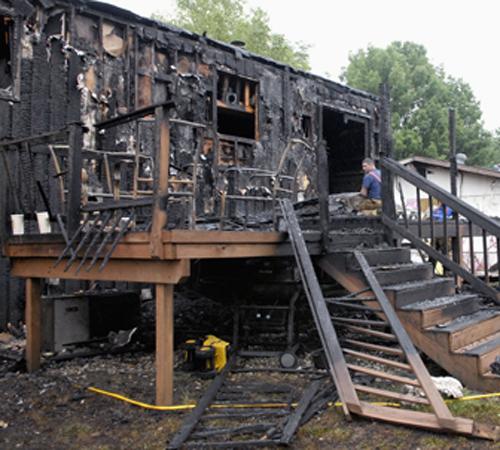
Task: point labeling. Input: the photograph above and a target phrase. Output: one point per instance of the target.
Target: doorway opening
(6, 74)
(346, 146)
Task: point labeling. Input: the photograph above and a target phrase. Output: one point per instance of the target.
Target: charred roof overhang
(119, 14)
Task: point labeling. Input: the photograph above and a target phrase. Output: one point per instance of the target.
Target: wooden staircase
(456, 330)
(373, 355)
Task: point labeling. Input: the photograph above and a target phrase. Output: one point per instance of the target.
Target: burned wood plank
(235, 414)
(294, 420)
(194, 417)
(74, 177)
(244, 429)
(323, 186)
(233, 444)
(136, 114)
(333, 352)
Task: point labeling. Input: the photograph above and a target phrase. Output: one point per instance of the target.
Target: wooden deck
(162, 258)
(139, 257)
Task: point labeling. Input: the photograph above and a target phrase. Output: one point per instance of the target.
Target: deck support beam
(33, 323)
(164, 344)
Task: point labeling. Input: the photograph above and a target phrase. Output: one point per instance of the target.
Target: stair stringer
(463, 367)
(440, 419)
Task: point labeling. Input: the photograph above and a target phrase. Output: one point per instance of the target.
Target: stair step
(465, 330)
(354, 239)
(403, 294)
(444, 309)
(400, 273)
(355, 222)
(485, 350)
(381, 256)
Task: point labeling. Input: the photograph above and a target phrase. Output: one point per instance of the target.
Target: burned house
(253, 123)
(136, 152)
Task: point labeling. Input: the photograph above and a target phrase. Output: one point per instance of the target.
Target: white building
(477, 186)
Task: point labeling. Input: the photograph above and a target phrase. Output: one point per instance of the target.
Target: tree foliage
(421, 94)
(231, 20)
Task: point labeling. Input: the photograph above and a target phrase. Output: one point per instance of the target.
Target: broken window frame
(14, 94)
(354, 116)
(220, 103)
(150, 72)
(349, 117)
(130, 38)
(306, 127)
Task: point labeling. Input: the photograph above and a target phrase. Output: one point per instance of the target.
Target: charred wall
(81, 61)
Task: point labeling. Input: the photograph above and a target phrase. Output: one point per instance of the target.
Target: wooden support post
(323, 188)
(388, 202)
(164, 344)
(456, 242)
(160, 180)
(74, 178)
(33, 323)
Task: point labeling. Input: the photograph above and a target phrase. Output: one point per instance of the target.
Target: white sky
(463, 37)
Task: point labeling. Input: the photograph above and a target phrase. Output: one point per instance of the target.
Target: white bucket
(124, 222)
(17, 224)
(43, 222)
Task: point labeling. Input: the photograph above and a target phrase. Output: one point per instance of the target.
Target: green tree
(421, 94)
(231, 20)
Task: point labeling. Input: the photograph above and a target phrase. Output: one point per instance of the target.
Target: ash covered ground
(53, 409)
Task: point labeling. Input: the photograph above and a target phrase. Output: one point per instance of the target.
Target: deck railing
(148, 162)
(455, 215)
(32, 185)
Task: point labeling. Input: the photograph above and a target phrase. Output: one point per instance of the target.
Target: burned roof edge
(127, 15)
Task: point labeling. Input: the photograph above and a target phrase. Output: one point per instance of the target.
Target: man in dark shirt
(371, 189)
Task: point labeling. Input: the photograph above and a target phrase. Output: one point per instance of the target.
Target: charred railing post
(161, 173)
(5, 190)
(388, 203)
(453, 151)
(456, 241)
(323, 183)
(74, 178)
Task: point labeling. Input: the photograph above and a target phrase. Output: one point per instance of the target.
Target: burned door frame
(350, 116)
(14, 95)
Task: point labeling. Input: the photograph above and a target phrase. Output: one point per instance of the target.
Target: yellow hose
(474, 397)
(182, 407)
(140, 404)
(264, 405)
(175, 408)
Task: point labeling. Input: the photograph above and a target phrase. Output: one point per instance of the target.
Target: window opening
(236, 106)
(6, 32)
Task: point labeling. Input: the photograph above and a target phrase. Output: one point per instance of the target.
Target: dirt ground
(52, 409)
